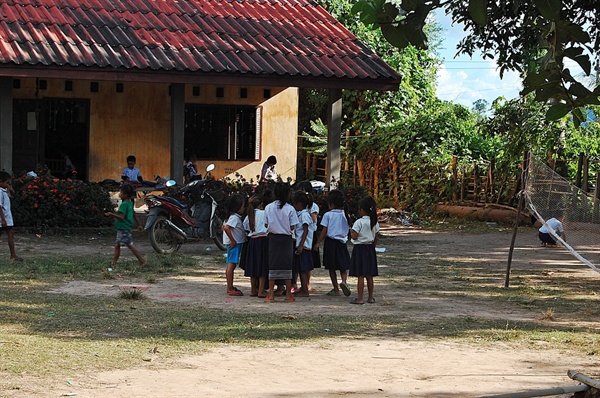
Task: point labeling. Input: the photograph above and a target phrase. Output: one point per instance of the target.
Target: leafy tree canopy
(534, 37)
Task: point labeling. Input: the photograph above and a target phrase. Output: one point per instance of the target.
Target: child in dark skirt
(335, 234)
(257, 255)
(281, 219)
(364, 234)
(303, 263)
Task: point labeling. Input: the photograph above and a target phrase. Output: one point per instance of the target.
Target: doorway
(47, 130)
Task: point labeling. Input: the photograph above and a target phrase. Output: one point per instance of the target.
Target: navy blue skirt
(281, 256)
(303, 262)
(364, 261)
(335, 255)
(257, 257)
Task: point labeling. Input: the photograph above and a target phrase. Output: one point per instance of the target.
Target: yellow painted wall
(137, 122)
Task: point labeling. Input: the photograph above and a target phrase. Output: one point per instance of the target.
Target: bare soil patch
(394, 366)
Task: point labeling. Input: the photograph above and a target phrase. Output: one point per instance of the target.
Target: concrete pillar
(177, 131)
(6, 124)
(334, 135)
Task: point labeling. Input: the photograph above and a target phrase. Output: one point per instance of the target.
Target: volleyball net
(547, 195)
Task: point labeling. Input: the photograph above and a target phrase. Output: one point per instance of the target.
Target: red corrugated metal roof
(296, 39)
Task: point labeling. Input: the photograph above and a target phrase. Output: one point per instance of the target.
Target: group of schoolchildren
(273, 239)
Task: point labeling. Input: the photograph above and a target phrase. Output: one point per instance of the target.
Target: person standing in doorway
(268, 172)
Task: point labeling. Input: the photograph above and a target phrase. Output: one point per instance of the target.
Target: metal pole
(542, 393)
(520, 205)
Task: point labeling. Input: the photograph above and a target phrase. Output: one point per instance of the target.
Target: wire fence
(548, 195)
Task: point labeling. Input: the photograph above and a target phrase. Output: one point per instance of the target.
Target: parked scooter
(172, 222)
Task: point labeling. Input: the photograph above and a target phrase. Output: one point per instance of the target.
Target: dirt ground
(400, 366)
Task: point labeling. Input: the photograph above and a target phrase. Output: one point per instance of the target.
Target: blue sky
(464, 80)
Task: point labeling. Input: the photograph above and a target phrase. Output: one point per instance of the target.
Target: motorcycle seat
(176, 202)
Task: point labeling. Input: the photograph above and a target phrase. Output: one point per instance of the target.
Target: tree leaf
(579, 90)
(395, 36)
(584, 62)
(411, 5)
(478, 11)
(550, 9)
(557, 111)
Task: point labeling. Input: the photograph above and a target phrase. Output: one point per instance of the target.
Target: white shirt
(554, 224)
(280, 221)
(313, 210)
(260, 229)
(5, 205)
(337, 225)
(304, 218)
(366, 234)
(132, 174)
(237, 229)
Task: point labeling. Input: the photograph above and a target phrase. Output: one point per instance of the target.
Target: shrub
(46, 202)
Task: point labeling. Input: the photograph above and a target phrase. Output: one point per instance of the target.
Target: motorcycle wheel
(217, 226)
(161, 238)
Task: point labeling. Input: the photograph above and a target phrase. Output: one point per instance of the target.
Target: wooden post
(596, 199)
(454, 178)
(518, 219)
(475, 187)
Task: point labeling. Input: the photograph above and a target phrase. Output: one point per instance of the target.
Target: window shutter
(258, 136)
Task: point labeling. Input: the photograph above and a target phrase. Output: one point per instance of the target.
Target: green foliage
(535, 37)
(46, 202)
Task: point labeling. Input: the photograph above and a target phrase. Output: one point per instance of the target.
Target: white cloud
(464, 80)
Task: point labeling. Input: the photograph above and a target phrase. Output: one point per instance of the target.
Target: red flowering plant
(44, 202)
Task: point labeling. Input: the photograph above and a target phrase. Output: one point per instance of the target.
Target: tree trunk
(579, 169)
(376, 176)
(361, 172)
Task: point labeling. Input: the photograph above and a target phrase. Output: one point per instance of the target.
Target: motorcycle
(172, 222)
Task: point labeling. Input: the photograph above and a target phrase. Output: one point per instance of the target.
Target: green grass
(43, 333)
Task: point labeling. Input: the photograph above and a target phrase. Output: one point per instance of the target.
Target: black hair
(272, 160)
(370, 207)
(282, 193)
(266, 199)
(305, 186)
(253, 203)
(128, 190)
(131, 158)
(234, 203)
(336, 198)
(303, 198)
(4, 176)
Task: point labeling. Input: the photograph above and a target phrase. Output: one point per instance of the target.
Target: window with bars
(222, 132)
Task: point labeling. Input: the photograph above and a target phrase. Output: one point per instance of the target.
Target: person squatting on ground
(257, 255)
(335, 234)
(6, 217)
(125, 216)
(234, 237)
(364, 234)
(303, 263)
(556, 223)
(281, 219)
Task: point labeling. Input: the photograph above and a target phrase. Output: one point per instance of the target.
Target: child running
(234, 237)
(125, 216)
(257, 255)
(335, 233)
(303, 263)
(364, 234)
(280, 218)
